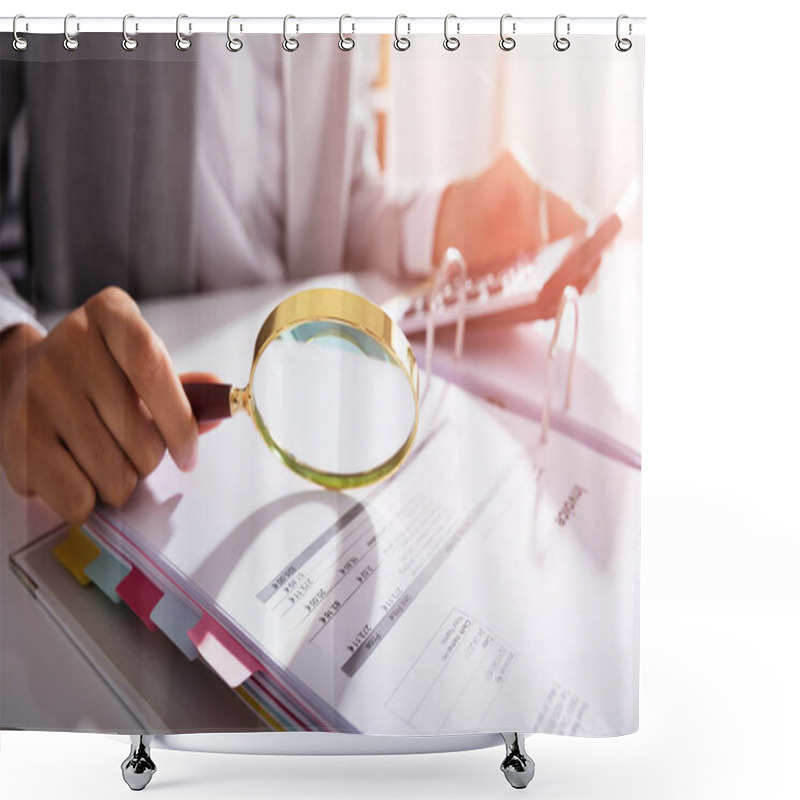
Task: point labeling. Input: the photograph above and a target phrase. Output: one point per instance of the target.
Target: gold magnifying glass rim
(355, 311)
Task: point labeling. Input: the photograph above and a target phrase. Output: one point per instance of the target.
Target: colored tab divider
(107, 572)
(141, 594)
(223, 653)
(175, 618)
(76, 552)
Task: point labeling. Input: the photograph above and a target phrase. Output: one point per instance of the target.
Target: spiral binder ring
(401, 43)
(451, 264)
(128, 42)
(181, 42)
(507, 42)
(290, 44)
(561, 43)
(569, 296)
(70, 42)
(451, 43)
(20, 43)
(233, 44)
(623, 44)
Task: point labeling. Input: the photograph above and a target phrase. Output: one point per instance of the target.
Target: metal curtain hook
(20, 43)
(128, 42)
(507, 42)
(181, 42)
(623, 45)
(346, 42)
(70, 42)
(451, 42)
(290, 44)
(233, 44)
(401, 43)
(561, 43)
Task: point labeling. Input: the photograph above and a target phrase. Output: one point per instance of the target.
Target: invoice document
(491, 582)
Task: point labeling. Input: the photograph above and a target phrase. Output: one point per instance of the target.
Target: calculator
(528, 289)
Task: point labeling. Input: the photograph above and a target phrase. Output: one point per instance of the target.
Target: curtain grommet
(181, 41)
(623, 44)
(70, 41)
(290, 43)
(451, 43)
(20, 43)
(561, 43)
(129, 42)
(401, 43)
(233, 44)
(346, 43)
(507, 43)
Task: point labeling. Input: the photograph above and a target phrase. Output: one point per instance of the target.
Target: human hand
(494, 217)
(577, 269)
(90, 408)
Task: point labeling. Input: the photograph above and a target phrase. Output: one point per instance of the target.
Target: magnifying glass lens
(331, 397)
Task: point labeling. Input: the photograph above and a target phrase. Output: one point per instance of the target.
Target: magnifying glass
(333, 389)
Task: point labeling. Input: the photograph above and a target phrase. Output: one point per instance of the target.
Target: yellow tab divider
(259, 709)
(76, 551)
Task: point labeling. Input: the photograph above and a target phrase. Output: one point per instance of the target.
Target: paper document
(459, 595)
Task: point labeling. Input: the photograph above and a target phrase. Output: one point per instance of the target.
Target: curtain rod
(406, 25)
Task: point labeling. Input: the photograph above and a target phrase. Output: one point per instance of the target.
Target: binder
(179, 592)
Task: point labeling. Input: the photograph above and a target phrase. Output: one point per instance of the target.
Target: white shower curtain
(487, 203)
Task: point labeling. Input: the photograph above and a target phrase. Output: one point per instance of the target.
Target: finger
(61, 483)
(202, 377)
(588, 274)
(96, 451)
(581, 262)
(199, 377)
(549, 298)
(144, 360)
(125, 416)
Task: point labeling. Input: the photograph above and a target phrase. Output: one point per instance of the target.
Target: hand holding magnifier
(333, 389)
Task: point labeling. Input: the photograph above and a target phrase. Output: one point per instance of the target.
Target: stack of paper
(467, 593)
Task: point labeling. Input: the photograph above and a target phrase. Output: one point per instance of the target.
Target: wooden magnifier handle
(209, 401)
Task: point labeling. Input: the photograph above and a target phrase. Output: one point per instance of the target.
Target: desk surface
(44, 680)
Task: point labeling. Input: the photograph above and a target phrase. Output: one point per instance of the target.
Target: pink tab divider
(228, 658)
(141, 594)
